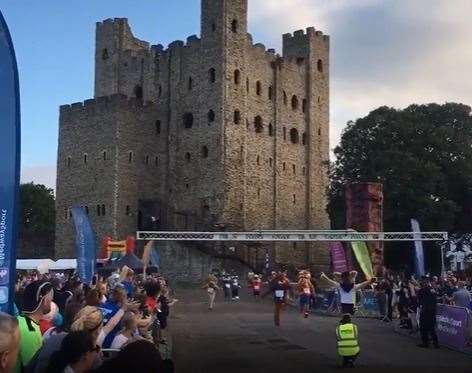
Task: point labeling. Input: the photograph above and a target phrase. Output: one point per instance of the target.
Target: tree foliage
(37, 221)
(423, 157)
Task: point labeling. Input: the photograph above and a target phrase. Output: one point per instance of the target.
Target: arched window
(320, 66)
(190, 83)
(258, 124)
(294, 102)
(237, 117)
(138, 92)
(85, 158)
(188, 120)
(234, 25)
(304, 138)
(211, 116)
(128, 211)
(68, 162)
(130, 157)
(103, 210)
(105, 55)
(204, 152)
(98, 210)
(294, 169)
(304, 103)
(188, 157)
(146, 160)
(285, 133)
(270, 93)
(294, 136)
(319, 131)
(271, 129)
(283, 166)
(258, 88)
(285, 98)
(247, 85)
(104, 155)
(158, 127)
(237, 77)
(212, 75)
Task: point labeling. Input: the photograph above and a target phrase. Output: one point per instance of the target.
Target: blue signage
(9, 165)
(85, 245)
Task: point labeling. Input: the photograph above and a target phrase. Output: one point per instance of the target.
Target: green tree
(37, 221)
(423, 157)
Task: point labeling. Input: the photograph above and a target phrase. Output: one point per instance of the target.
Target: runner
(305, 291)
(211, 288)
(256, 284)
(235, 288)
(279, 287)
(226, 280)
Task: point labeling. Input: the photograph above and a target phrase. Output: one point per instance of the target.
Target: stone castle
(217, 133)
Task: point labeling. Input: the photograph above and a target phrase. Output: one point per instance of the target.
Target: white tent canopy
(45, 265)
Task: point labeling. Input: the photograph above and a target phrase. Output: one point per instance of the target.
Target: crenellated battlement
(118, 101)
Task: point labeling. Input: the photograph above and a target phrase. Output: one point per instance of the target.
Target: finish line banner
(9, 165)
(452, 326)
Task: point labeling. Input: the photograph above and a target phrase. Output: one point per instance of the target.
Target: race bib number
(227, 286)
(257, 287)
(307, 291)
(279, 293)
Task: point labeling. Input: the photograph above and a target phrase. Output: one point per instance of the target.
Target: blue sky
(383, 52)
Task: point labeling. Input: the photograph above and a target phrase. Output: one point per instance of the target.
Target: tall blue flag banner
(419, 254)
(9, 165)
(84, 244)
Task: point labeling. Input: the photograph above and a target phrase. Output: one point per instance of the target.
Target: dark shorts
(304, 299)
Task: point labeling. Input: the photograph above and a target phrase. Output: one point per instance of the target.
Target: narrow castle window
(86, 210)
(188, 157)
(258, 124)
(270, 93)
(271, 130)
(319, 131)
(258, 192)
(270, 162)
(66, 213)
(300, 60)
(294, 102)
(68, 162)
(128, 211)
(138, 92)
(188, 120)
(247, 124)
(294, 136)
(187, 186)
(190, 83)
(159, 91)
(156, 161)
(211, 116)
(258, 159)
(285, 133)
(146, 160)
(212, 75)
(70, 214)
(130, 157)
(237, 117)
(85, 158)
(285, 98)
(237, 77)
(213, 27)
(98, 210)
(104, 155)
(204, 152)
(283, 166)
(105, 55)
(304, 171)
(247, 85)
(234, 26)
(304, 138)
(258, 88)
(320, 66)
(158, 127)
(294, 169)
(304, 103)
(103, 210)
(319, 99)
(294, 199)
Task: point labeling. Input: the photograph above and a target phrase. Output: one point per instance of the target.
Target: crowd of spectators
(117, 324)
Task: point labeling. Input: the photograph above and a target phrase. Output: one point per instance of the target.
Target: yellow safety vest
(347, 340)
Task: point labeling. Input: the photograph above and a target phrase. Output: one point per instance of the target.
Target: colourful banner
(419, 254)
(338, 257)
(363, 258)
(9, 166)
(85, 245)
(452, 326)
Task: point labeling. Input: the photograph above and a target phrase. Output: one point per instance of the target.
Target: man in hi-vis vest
(347, 344)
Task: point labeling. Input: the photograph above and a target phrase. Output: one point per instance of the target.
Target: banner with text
(452, 326)
(85, 245)
(363, 258)
(338, 257)
(9, 166)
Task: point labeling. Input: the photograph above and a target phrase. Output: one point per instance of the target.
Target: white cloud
(383, 52)
(44, 174)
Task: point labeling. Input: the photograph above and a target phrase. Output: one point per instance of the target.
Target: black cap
(33, 295)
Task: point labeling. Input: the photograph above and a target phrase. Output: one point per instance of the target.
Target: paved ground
(240, 337)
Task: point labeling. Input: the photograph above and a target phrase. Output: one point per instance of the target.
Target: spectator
(126, 279)
(461, 297)
(37, 299)
(77, 354)
(130, 324)
(348, 346)
(116, 302)
(9, 342)
(428, 308)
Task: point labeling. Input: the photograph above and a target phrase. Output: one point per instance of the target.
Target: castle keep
(216, 133)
